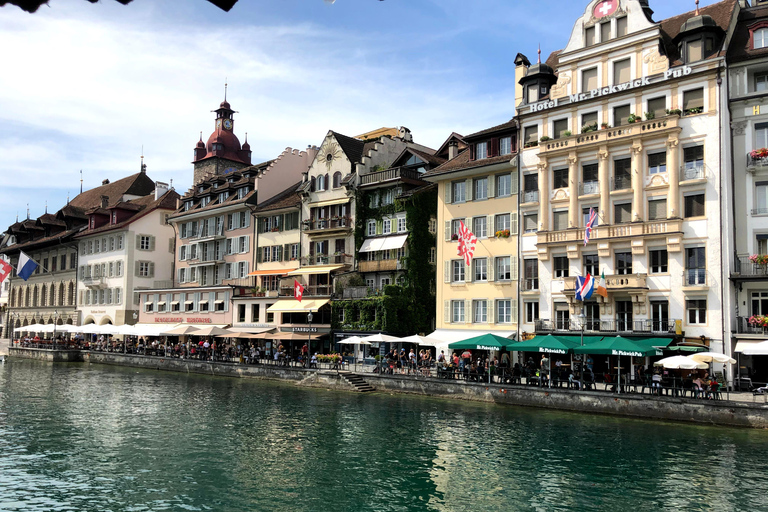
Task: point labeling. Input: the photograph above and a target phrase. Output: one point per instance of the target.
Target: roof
(721, 13)
(138, 184)
(418, 190)
(288, 198)
(739, 49)
(143, 206)
(462, 162)
(512, 123)
(353, 148)
(429, 158)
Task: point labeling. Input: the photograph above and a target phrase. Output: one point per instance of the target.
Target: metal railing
(647, 326)
(589, 187)
(695, 277)
(323, 290)
(329, 223)
(744, 326)
(204, 232)
(530, 284)
(394, 173)
(531, 196)
(621, 182)
(759, 211)
(327, 259)
(693, 172)
(759, 161)
(744, 267)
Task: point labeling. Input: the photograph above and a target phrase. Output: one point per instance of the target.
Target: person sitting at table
(698, 387)
(313, 361)
(574, 380)
(656, 382)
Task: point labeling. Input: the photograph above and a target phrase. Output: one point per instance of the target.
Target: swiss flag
(5, 270)
(298, 290)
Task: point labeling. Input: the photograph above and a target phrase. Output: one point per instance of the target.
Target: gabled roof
(288, 198)
(138, 184)
(509, 125)
(721, 13)
(739, 49)
(143, 206)
(462, 162)
(353, 148)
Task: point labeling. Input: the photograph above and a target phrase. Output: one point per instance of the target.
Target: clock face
(228, 124)
(218, 124)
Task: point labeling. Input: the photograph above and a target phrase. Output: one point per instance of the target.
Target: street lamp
(55, 320)
(135, 316)
(309, 339)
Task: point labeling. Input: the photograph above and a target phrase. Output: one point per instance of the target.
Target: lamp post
(135, 316)
(582, 318)
(55, 320)
(309, 339)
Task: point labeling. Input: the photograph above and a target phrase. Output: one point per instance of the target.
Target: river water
(94, 438)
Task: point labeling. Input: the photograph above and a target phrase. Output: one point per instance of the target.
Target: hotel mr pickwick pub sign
(613, 89)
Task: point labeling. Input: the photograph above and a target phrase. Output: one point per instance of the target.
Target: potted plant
(545, 139)
(632, 118)
(759, 153)
(454, 237)
(604, 126)
(759, 259)
(275, 229)
(567, 133)
(695, 110)
(650, 115)
(502, 233)
(589, 128)
(531, 144)
(759, 320)
(674, 112)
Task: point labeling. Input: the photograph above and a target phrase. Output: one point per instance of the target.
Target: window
(697, 311)
(621, 71)
(401, 225)
(481, 189)
(530, 185)
(621, 115)
(761, 135)
(531, 312)
(693, 158)
(761, 198)
(503, 268)
(760, 303)
(657, 209)
(622, 174)
(605, 31)
(457, 311)
(660, 316)
(589, 119)
(145, 269)
(504, 311)
(480, 311)
(502, 222)
(433, 255)
(561, 266)
(694, 206)
(371, 227)
(455, 226)
(624, 315)
(387, 197)
(562, 317)
(386, 226)
(621, 26)
(560, 220)
(559, 128)
(481, 151)
(658, 106)
(591, 264)
(693, 101)
(433, 226)
(590, 184)
(145, 242)
(505, 146)
(531, 136)
(659, 261)
(657, 163)
(761, 83)
(481, 269)
(695, 266)
(320, 183)
(622, 213)
(589, 36)
(459, 191)
(533, 93)
(760, 38)
(503, 185)
(694, 50)
(531, 222)
(588, 80)
(457, 275)
(623, 263)
(531, 274)
(336, 180)
(560, 178)
(480, 226)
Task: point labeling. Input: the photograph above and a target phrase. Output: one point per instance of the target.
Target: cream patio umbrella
(715, 357)
(680, 363)
(212, 330)
(182, 330)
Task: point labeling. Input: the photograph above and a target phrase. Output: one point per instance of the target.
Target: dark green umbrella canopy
(483, 342)
(549, 344)
(618, 346)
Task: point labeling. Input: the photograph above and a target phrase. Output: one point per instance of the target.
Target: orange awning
(275, 272)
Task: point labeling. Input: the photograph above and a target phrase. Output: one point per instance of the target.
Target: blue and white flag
(585, 287)
(26, 266)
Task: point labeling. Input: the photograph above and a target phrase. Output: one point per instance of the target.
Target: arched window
(13, 297)
(52, 297)
(43, 296)
(27, 303)
(760, 38)
(313, 184)
(320, 183)
(71, 294)
(35, 297)
(336, 179)
(61, 294)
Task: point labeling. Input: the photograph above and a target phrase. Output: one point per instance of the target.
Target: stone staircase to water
(359, 383)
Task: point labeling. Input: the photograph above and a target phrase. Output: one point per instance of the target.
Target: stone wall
(54, 356)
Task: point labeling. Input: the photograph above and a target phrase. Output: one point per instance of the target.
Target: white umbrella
(422, 340)
(712, 357)
(760, 349)
(211, 330)
(354, 340)
(184, 330)
(379, 338)
(680, 363)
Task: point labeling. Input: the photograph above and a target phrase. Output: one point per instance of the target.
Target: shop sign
(305, 329)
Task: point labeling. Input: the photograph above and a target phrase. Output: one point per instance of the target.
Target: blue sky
(86, 85)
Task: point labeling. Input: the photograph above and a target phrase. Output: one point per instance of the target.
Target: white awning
(384, 243)
(252, 330)
(325, 269)
(454, 335)
(295, 306)
(329, 202)
(758, 347)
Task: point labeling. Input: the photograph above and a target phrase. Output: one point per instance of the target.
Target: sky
(84, 87)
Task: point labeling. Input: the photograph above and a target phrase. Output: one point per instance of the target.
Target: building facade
(625, 121)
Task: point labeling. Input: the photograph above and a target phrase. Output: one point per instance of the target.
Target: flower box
(759, 259)
(759, 153)
(503, 233)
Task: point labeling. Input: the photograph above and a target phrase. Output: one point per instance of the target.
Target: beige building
(478, 187)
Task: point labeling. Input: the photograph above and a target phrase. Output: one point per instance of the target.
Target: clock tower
(223, 152)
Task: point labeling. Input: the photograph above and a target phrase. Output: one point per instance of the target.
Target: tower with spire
(222, 153)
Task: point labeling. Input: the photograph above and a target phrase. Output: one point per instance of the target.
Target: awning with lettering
(252, 330)
(294, 306)
(329, 202)
(384, 243)
(320, 269)
(273, 272)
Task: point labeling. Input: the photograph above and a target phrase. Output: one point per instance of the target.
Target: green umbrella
(549, 344)
(618, 346)
(483, 342)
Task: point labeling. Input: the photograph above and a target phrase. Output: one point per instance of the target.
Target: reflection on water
(91, 438)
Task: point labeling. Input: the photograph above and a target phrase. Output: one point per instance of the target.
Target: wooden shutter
(468, 311)
(513, 310)
(447, 311)
(490, 228)
(514, 267)
(286, 252)
(468, 224)
(491, 269)
(447, 274)
(468, 272)
(151, 243)
(137, 267)
(138, 242)
(515, 188)
(448, 192)
(259, 252)
(491, 186)
(447, 231)
(468, 194)
(513, 223)
(493, 149)
(491, 311)
(151, 269)
(472, 152)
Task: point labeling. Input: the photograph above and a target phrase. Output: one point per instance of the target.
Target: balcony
(206, 235)
(393, 174)
(614, 282)
(324, 226)
(530, 284)
(323, 290)
(755, 212)
(745, 270)
(355, 292)
(624, 133)
(327, 259)
(379, 266)
(608, 326)
(756, 163)
(589, 187)
(530, 196)
(94, 282)
(208, 260)
(621, 183)
(744, 326)
(650, 228)
(696, 279)
(694, 172)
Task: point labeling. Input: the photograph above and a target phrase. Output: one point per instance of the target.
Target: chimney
(453, 150)
(521, 67)
(104, 201)
(105, 182)
(160, 189)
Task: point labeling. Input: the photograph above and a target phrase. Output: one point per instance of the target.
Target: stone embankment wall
(726, 413)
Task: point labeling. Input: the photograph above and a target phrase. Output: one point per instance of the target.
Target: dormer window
(201, 190)
(482, 150)
(114, 217)
(533, 93)
(242, 192)
(215, 185)
(205, 201)
(217, 147)
(223, 196)
(93, 222)
(621, 27)
(187, 205)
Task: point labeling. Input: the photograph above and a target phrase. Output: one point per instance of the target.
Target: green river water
(96, 438)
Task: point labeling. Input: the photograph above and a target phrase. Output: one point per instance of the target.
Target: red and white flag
(298, 290)
(5, 270)
(467, 242)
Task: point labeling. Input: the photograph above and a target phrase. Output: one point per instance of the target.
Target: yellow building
(478, 187)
